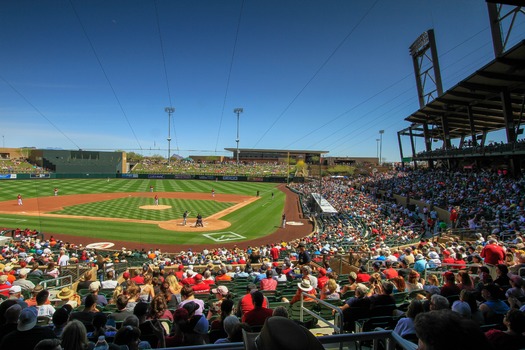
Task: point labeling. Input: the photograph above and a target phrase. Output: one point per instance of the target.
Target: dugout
(319, 205)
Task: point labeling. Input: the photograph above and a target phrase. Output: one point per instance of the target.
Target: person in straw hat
(68, 296)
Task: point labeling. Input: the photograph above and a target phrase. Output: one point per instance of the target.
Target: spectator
(512, 338)
(229, 327)
(493, 309)
(94, 288)
(405, 326)
(449, 331)
(74, 336)
(449, 288)
(128, 336)
(259, 314)
(27, 333)
(269, 283)
(122, 312)
(60, 319)
(110, 282)
(303, 286)
(87, 314)
(222, 294)
(22, 280)
(438, 302)
(12, 312)
(246, 303)
(188, 296)
(42, 304)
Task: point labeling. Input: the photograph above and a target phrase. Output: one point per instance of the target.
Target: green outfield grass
(255, 220)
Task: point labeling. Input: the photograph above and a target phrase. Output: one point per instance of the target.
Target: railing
(338, 328)
(57, 283)
(390, 340)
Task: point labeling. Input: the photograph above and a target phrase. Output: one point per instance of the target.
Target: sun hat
(27, 319)
(65, 293)
(222, 290)
(305, 285)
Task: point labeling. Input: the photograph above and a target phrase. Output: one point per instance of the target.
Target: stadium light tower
(169, 110)
(238, 111)
(381, 132)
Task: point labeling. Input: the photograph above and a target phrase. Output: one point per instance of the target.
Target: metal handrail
(338, 328)
(54, 283)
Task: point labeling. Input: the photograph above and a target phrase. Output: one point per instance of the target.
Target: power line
(104, 72)
(229, 74)
(39, 112)
(165, 70)
(317, 72)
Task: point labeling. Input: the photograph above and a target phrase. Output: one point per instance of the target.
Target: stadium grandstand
(431, 255)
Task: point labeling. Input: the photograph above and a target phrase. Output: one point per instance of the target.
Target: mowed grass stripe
(257, 219)
(129, 208)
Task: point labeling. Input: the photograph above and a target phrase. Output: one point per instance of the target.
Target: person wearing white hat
(303, 286)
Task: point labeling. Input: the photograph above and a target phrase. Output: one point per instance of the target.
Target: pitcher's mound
(155, 207)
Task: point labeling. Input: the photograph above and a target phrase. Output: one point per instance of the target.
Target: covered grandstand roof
(274, 150)
(482, 92)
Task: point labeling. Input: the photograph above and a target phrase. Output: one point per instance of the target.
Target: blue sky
(318, 75)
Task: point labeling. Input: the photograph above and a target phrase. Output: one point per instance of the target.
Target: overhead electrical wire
(39, 112)
(165, 69)
(229, 73)
(104, 72)
(317, 71)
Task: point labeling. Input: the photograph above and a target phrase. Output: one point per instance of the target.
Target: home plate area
(224, 236)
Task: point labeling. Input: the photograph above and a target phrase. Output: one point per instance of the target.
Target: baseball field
(123, 211)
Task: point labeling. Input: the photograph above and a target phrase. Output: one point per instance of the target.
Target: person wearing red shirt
(274, 252)
(268, 283)
(190, 279)
(322, 278)
(137, 277)
(389, 272)
(259, 314)
(493, 254)
(200, 287)
(449, 288)
(179, 273)
(447, 259)
(362, 276)
(246, 303)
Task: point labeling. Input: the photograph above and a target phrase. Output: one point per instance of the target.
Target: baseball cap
(94, 286)
(222, 290)
(15, 289)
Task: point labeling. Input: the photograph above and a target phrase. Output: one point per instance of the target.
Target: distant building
(275, 155)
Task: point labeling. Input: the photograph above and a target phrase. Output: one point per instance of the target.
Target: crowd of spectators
(231, 168)
(17, 166)
(160, 303)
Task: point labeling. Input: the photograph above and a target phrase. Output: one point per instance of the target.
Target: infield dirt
(43, 205)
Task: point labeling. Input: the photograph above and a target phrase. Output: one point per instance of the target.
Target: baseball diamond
(132, 219)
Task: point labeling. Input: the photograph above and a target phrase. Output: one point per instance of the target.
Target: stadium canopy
(488, 100)
(322, 205)
(257, 154)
